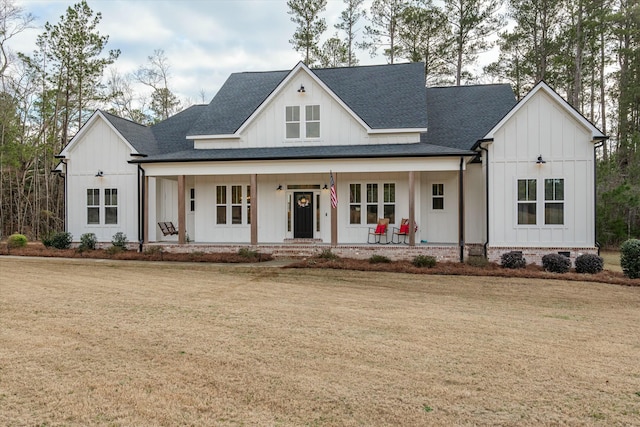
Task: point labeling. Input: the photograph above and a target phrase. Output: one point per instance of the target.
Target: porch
(440, 251)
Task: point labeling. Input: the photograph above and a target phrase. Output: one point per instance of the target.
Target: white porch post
(145, 210)
(181, 214)
(334, 217)
(412, 208)
(254, 209)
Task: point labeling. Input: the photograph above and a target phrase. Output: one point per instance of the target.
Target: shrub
(88, 241)
(513, 259)
(328, 255)
(630, 258)
(378, 259)
(477, 261)
(119, 240)
(58, 240)
(247, 253)
(112, 250)
(556, 263)
(589, 263)
(424, 261)
(153, 250)
(17, 240)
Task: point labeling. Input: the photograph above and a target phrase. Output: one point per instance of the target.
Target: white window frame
(290, 119)
(306, 115)
(378, 200)
(435, 188)
(93, 206)
(311, 117)
(109, 204)
(553, 200)
(243, 202)
(526, 201)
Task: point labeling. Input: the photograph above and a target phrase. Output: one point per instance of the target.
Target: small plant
(328, 255)
(88, 242)
(589, 263)
(153, 250)
(17, 240)
(379, 259)
(427, 408)
(477, 261)
(630, 258)
(424, 261)
(247, 253)
(112, 250)
(556, 263)
(58, 240)
(119, 240)
(513, 259)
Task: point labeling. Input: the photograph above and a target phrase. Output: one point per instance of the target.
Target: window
(372, 203)
(110, 205)
(292, 120)
(221, 204)
(390, 202)
(554, 201)
(248, 204)
(93, 206)
(312, 118)
(355, 207)
(375, 205)
(437, 196)
(527, 201)
(231, 200)
(236, 204)
(192, 200)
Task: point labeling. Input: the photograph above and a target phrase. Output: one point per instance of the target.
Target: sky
(204, 40)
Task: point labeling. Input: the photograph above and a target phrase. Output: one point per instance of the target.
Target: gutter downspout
(461, 210)
(141, 196)
(595, 196)
(486, 202)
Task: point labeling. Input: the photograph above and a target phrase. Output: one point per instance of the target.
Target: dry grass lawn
(98, 342)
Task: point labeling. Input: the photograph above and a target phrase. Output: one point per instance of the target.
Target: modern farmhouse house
(318, 158)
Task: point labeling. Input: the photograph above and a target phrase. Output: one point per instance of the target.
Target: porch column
(254, 209)
(145, 209)
(334, 216)
(412, 208)
(461, 209)
(181, 214)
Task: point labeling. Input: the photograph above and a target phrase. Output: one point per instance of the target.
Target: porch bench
(167, 228)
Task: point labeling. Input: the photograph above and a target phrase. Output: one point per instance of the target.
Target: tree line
(588, 50)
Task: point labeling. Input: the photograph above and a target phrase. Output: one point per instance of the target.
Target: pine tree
(348, 21)
(306, 14)
(385, 16)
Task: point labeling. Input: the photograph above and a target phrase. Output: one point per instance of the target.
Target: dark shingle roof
(385, 96)
(236, 100)
(458, 116)
(310, 152)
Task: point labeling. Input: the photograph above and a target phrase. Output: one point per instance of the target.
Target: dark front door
(303, 215)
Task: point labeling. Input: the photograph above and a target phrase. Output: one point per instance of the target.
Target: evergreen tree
(306, 14)
(155, 75)
(334, 53)
(385, 17)
(348, 20)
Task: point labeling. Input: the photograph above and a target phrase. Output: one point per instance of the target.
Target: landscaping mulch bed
(459, 269)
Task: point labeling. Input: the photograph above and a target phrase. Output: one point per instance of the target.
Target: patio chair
(403, 231)
(167, 228)
(379, 231)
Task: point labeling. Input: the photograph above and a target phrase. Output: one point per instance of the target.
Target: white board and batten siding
(101, 149)
(542, 126)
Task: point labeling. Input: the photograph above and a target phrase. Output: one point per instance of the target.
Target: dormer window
(294, 123)
(292, 119)
(312, 121)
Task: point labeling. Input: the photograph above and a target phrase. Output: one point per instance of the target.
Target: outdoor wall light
(100, 174)
(301, 90)
(279, 188)
(325, 187)
(540, 161)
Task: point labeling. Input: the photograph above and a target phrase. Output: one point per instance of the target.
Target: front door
(303, 215)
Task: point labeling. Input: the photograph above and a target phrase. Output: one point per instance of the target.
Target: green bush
(556, 263)
(378, 259)
(88, 241)
(424, 261)
(119, 240)
(513, 259)
(477, 261)
(630, 258)
(327, 254)
(247, 253)
(589, 263)
(17, 240)
(58, 240)
(153, 250)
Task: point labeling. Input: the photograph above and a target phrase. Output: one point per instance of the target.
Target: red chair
(402, 231)
(379, 232)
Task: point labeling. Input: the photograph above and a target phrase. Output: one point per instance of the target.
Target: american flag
(334, 196)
